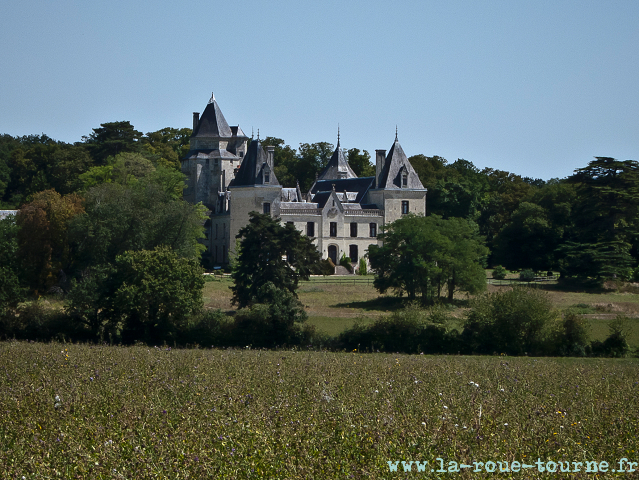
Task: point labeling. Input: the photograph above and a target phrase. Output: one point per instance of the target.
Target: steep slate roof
(359, 185)
(395, 162)
(321, 198)
(212, 123)
(336, 165)
(250, 172)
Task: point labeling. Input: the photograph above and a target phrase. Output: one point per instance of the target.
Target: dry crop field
(106, 412)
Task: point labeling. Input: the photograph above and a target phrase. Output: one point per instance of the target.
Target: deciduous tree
(424, 254)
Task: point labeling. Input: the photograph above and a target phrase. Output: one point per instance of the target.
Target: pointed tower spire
(396, 133)
(212, 99)
(337, 167)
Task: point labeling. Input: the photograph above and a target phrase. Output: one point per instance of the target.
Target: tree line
(102, 223)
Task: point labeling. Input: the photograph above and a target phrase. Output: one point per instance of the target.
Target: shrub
(39, 320)
(362, 266)
(499, 272)
(410, 330)
(323, 267)
(616, 344)
(527, 275)
(209, 328)
(273, 319)
(515, 322)
(346, 262)
(571, 336)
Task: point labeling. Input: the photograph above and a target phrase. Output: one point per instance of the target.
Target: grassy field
(334, 304)
(75, 411)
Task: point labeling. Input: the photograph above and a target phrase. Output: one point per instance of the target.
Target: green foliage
(38, 320)
(606, 220)
(499, 272)
(528, 240)
(362, 267)
(515, 322)
(166, 147)
(120, 218)
(571, 336)
(527, 275)
(360, 163)
(271, 320)
(425, 254)
(292, 167)
(346, 262)
(506, 192)
(616, 344)
(323, 267)
(207, 329)
(270, 252)
(145, 295)
(111, 139)
(409, 330)
(11, 290)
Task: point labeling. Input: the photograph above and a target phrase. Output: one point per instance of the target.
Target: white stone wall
(248, 199)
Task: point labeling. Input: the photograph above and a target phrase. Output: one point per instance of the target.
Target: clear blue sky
(535, 88)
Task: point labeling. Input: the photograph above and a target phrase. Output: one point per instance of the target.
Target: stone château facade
(233, 175)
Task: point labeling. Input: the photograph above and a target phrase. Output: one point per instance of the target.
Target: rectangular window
(353, 229)
(267, 208)
(292, 224)
(310, 229)
(267, 178)
(352, 253)
(404, 207)
(373, 229)
(333, 229)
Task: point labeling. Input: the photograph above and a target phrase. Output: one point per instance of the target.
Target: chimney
(270, 155)
(380, 158)
(196, 120)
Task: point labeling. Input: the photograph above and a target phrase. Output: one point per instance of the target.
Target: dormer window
(267, 178)
(404, 178)
(267, 174)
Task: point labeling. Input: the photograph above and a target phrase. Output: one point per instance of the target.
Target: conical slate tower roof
(337, 166)
(212, 122)
(254, 167)
(395, 166)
